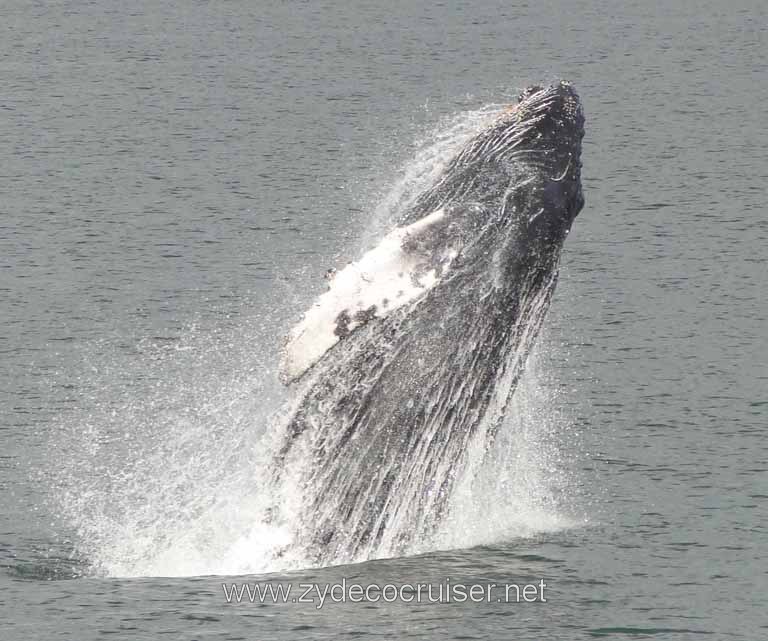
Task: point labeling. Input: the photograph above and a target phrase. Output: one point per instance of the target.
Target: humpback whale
(416, 348)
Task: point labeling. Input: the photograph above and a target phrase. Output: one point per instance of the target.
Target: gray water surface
(176, 177)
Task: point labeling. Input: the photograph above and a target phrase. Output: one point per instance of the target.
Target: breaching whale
(416, 348)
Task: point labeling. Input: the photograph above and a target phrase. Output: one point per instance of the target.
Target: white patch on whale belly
(383, 279)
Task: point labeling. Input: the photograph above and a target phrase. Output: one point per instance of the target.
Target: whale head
(541, 137)
(527, 162)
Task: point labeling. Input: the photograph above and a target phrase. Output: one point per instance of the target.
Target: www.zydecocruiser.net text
(320, 594)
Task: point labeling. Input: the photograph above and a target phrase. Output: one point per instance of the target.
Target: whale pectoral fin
(406, 263)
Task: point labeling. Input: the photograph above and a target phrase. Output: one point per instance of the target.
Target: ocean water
(175, 180)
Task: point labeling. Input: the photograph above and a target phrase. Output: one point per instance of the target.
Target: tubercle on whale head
(558, 100)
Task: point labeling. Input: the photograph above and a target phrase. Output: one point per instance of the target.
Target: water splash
(168, 472)
(522, 485)
(432, 153)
